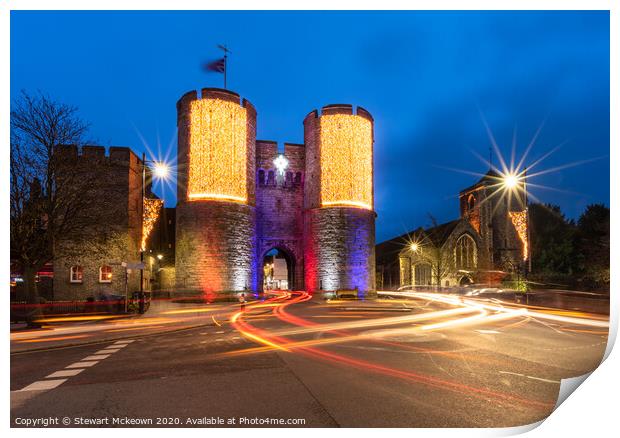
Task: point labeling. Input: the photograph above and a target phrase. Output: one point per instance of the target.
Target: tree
(433, 248)
(52, 196)
(592, 245)
(551, 239)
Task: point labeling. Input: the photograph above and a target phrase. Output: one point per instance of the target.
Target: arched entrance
(465, 280)
(277, 270)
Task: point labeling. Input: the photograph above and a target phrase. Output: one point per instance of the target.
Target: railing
(21, 311)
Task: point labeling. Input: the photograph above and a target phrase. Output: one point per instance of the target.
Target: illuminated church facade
(488, 241)
(241, 202)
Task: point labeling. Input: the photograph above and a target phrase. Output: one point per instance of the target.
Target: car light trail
(551, 314)
(275, 341)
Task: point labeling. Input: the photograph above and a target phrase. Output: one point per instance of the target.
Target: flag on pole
(218, 66)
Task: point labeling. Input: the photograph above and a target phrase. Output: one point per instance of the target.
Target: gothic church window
(465, 252)
(261, 177)
(471, 202)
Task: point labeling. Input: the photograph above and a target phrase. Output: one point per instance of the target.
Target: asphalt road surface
(414, 360)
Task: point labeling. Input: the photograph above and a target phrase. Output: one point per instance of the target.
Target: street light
(414, 247)
(510, 181)
(160, 170)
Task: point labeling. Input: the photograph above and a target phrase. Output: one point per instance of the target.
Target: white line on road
(487, 332)
(65, 373)
(83, 364)
(43, 385)
(96, 357)
(129, 341)
(530, 377)
(108, 351)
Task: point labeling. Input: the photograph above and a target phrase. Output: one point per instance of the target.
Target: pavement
(417, 360)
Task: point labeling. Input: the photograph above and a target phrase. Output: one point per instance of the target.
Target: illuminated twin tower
(240, 198)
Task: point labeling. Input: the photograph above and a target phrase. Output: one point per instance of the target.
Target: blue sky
(425, 76)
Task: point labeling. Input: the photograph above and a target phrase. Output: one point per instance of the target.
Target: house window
(105, 274)
(76, 274)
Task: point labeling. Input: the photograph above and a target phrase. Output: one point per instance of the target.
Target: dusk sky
(426, 77)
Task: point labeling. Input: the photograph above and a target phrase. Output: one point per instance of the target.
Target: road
(413, 360)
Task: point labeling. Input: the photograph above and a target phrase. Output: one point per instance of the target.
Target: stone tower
(216, 218)
(500, 217)
(339, 217)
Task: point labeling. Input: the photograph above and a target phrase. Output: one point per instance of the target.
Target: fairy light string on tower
(217, 151)
(346, 161)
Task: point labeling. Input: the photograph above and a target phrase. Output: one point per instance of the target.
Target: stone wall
(116, 227)
(215, 247)
(339, 249)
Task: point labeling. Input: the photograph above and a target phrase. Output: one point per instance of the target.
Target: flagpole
(226, 51)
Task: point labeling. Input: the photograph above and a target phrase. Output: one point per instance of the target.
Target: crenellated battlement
(98, 153)
(339, 108)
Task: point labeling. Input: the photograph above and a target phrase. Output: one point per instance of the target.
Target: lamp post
(161, 171)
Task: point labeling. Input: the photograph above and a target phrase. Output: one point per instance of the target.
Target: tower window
(261, 177)
(298, 178)
(270, 178)
(471, 202)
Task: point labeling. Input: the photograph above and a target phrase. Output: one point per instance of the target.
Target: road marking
(96, 357)
(108, 351)
(215, 321)
(82, 364)
(530, 377)
(43, 385)
(487, 332)
(220, 332)
(219, 339)
(65, 373)
(124, 342)
(204, 333)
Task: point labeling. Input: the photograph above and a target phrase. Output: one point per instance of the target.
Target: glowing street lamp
(510, 181)
(414, 247)
(160, 170)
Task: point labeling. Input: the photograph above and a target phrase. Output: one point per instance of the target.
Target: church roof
(438, 234)
(491, 177)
